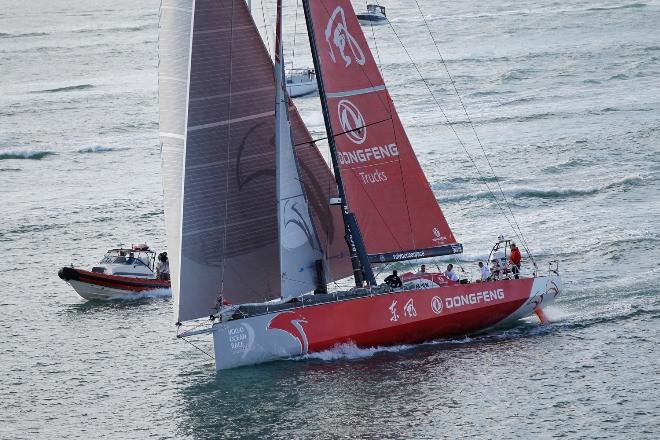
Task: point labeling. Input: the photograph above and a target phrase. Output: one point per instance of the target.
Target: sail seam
(226, 225)
(213, 31)
(172, 135)
(174, 8)
(225, 95)
(356, 92)
(230, 121)
(173, 78)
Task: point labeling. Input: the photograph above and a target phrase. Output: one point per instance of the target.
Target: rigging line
(224, 236)
(460, 99)
(373, 36)
(344, 132)
(187, 341)
(266, 33)
(295, 32)
(451, 127)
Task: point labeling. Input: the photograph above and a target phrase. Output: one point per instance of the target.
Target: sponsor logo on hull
(291, 323)
(474, 298)
(241, 339)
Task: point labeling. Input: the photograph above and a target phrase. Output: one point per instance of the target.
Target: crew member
(163, 268)
(450, 274)
(422, 269)
(484, 271)
(515, 259)
(496, 269)
(393, 280)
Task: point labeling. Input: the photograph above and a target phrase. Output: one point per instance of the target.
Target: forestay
(216, 91)
(397, 212)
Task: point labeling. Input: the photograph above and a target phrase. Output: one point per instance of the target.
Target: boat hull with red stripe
(385, 319)
(98, 286)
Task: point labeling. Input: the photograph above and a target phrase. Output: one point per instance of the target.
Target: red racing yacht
(259, 226)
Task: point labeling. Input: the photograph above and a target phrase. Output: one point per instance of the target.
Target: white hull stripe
(355, 92)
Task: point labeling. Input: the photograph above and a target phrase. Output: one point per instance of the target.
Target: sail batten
(383, 180)
(216, 93)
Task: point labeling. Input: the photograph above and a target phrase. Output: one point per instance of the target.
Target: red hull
(403, 317)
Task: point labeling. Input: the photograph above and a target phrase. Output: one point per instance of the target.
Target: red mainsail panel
(384, 183)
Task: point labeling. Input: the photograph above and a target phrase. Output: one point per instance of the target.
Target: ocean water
(565, 97)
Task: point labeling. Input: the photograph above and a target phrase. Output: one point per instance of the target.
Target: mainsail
(299, 245)
(385, 186)
(216, 91)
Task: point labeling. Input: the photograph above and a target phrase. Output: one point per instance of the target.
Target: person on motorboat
(163, 268)
(393, 280)
(484, 272)
(496, 269)
(515, 259)
(450, 274)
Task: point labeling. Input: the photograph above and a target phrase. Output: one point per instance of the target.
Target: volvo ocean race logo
(352, 121)
(241, 339)
(337, 35)
(291, 323)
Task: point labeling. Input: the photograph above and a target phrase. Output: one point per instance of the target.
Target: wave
(136, 28)
(613, 8)
(559, 168)
(10, 169)
(27, 154)
(66, 89)
(27, 34)
(351, 351)
(516, 75)
(155, 293)
(95, 149)
(517, 101)
(551, 193)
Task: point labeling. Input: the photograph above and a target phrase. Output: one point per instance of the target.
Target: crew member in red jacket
(515, 259)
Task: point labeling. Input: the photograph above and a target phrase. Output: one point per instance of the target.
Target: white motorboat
(374, 15)
(300, 82)
(122, 273)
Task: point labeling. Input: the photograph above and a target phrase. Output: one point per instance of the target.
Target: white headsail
(299, 245)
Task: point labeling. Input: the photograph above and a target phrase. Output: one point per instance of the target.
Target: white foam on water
(351, 351)
(556, 314)
(155, 293)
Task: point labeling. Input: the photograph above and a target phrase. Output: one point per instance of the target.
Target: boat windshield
(376, 9)
(128, 257)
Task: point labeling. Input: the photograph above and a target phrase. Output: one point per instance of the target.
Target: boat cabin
(137, 261)
(376, 9)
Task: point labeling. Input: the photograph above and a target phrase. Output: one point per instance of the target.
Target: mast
(356, 247)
